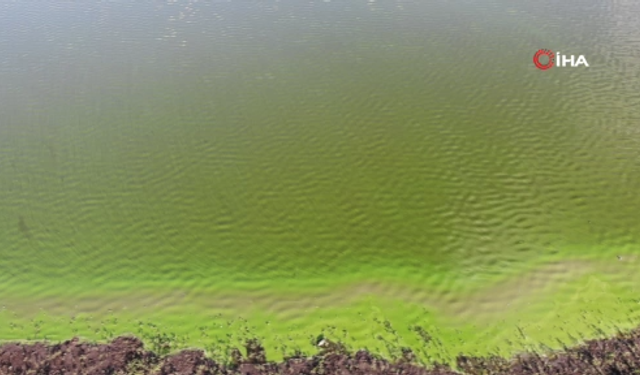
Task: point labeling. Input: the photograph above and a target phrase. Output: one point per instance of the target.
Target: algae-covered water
(282, 169)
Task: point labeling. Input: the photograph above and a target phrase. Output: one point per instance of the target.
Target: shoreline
(619, 354)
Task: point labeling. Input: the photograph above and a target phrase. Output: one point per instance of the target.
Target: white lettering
(581, 60)
(566, 60)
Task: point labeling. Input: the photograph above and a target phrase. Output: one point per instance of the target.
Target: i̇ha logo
(561, 61)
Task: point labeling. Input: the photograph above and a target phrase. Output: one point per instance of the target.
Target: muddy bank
(126, 355)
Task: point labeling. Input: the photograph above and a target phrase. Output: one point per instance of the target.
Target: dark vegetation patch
(618, 355)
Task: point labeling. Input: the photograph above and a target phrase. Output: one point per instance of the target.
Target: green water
(283, 168)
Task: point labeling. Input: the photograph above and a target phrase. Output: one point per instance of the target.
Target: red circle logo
(543, 52)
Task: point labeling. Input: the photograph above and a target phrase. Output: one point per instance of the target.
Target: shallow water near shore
(284, 169)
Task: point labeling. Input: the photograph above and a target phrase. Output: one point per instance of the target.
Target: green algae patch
(374, 316)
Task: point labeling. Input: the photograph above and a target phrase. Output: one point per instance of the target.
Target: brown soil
(619, 355)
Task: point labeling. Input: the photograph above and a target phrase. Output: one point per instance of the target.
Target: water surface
(304, 164)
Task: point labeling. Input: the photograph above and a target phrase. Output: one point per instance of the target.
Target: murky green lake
(284, 168)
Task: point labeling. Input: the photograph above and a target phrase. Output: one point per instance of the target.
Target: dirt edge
(617, 355)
